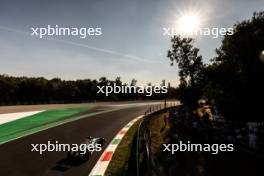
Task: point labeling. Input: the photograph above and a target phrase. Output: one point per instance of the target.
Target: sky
(132, 44)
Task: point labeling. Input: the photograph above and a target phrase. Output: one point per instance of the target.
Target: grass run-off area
(31, 124)
(119, 164)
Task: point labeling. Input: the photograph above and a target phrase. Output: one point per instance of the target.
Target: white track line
(4, 118)
(104, 160)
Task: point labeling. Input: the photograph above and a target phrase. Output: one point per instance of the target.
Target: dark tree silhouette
(236, 74)
(190, 68)
(23, 90)
(234, 78)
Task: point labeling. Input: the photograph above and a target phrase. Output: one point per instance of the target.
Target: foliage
(236, 74)
(24, 90)
(190, 69)
(234, 78)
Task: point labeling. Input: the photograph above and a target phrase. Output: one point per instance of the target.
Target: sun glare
(188, 23)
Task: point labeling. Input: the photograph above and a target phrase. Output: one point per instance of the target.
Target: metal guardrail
(143, 138)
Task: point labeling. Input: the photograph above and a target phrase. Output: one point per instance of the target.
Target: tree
(236, 74)
(190, 68)
(133, 82)
(24, 90)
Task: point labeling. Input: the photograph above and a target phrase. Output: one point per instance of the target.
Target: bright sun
(188, 23)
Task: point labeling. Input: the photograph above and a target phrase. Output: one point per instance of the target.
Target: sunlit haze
(188, 23)
(132, 44)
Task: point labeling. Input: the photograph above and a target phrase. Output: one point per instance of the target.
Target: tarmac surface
(16, 157)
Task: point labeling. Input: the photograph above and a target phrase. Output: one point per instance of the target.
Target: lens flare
(188, 23)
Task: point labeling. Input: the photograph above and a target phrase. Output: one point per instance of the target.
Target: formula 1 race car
(84, 150)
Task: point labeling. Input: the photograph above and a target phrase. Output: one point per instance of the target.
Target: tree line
(233, 80)
(38, 90)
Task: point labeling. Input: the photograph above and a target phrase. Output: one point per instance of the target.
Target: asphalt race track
(17, 159)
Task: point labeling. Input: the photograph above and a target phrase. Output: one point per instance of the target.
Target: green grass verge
(34, 123)
(119, 164)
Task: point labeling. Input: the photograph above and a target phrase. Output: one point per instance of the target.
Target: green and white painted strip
(48, 119)
(9, 117)
(104, 160)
